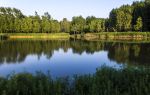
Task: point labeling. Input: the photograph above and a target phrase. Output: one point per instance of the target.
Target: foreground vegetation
(106, 81)
(134, 17)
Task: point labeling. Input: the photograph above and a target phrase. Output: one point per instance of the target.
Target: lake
(68, 57)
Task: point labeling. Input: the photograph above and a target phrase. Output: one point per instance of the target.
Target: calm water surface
(66, 58)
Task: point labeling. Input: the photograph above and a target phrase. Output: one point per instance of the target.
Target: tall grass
(106, 81)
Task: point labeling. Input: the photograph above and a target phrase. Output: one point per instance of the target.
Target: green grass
(139, 36)
(106, 81)
(101, 35)
(132, 34)
(122, 33)
(37, 35)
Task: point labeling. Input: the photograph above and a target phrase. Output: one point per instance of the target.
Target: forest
(134, 17)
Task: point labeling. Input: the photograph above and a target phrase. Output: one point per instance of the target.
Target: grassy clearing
(106, 81)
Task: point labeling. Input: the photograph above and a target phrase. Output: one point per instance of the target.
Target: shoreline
(37, 35)
(127, 36)
(115, 36)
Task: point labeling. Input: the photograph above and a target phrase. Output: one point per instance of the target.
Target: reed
(106, 81)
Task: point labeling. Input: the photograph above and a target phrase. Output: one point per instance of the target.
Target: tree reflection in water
(131, 53)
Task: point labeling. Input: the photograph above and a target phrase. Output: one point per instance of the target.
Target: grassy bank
(88, 36)
(106, 81)
(37, 35)
(119, 35)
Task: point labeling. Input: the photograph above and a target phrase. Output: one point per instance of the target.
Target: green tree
(77, 25)
(55, 26)
(26, 25)
(65, 25)
(139, 24)
(97, 25)
(89, 19)
(46, 23)
(36, 23)
(121, 18)
(18, 24)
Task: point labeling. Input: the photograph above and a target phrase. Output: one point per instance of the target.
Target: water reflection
(69, 57)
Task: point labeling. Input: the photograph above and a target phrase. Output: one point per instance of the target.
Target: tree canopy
(133, 17)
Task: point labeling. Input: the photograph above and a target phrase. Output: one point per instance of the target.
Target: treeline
(106, 81)
(135, 17)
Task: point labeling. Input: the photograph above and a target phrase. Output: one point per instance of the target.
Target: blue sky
(66, 8)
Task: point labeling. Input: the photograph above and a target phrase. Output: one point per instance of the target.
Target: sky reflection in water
(61, 63)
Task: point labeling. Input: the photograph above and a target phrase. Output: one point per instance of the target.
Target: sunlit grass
(37, 35)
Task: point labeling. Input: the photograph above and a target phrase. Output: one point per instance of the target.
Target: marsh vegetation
(106, 81)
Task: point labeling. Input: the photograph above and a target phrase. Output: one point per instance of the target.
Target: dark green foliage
(106, 81)
(120, 19)
(125, 17)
